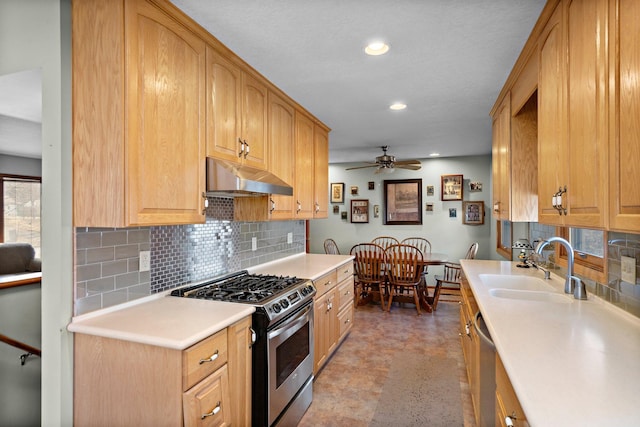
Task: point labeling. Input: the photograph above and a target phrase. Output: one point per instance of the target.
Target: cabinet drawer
(345, 321)
(326, 282)
(207, 404)
(345, 293)
(203, 358)
(344, 271)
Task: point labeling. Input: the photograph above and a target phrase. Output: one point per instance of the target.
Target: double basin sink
(523, 288)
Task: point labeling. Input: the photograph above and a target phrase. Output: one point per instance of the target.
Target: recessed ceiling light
(398, 106)
(434, 154)
(376, 48)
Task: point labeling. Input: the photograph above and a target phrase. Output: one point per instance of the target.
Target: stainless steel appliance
(282, 378)
(486, 374)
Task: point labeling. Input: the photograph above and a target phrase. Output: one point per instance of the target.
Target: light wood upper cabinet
(303, 190)
(236, 112)
(572, 140)
(281, 147)
(624, 111)
(138, 116)
(320, 172)
(500, 160)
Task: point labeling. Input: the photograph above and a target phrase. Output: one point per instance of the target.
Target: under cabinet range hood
(227, 179)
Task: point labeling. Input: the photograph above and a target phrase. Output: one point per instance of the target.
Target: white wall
(13, 165)
(37, 34)
(446, 234)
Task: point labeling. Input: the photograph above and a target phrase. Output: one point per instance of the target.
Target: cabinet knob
(213, 411)
(246, 149)
(273, 205)
(206, 203)
(211, 358)
(241, 147)
(299, 206)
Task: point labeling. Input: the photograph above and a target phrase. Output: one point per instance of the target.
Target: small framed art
(451, 187)
(359, 210)
(473, 213)
(337, 192)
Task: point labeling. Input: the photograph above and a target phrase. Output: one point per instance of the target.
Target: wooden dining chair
(448, 285)
(425, 247)
(385, 241)
(404, 272)
(330, 247)
(369, 272)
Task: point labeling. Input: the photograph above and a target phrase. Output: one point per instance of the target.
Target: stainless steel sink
(525, 283)
(523, 295)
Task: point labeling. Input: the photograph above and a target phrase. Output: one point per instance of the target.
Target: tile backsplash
(107, 259)
(616, 291)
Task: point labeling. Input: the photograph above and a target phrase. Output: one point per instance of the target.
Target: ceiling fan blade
(362, 167)
(407, 162)
(411, 167)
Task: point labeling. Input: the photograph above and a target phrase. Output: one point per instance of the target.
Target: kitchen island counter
(571, 362)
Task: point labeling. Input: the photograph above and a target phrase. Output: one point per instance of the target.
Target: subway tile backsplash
(107, 259)
(622, 294)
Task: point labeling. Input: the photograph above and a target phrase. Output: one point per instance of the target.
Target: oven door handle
(299, 319)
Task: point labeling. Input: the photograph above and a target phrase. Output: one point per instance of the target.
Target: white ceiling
(448, 61)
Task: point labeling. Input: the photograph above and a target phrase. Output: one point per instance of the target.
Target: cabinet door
(224, 108)
(321, 172)
(325, 329)
(586, 151)
(281, 145)
(254, 121)
(624, 110)
(240, 356)
(303, 190)
(550, 119)
(165, 118)
(207, 403)
(501, 160)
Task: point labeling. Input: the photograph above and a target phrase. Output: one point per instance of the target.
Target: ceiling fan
(387, 163)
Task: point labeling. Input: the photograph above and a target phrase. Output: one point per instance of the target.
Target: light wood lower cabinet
(333, 312)
(120, 382)
(508, 407)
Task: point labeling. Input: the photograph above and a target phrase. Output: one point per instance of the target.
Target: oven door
(290, 359)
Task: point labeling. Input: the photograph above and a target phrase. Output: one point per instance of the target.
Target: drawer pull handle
(328, 283)
(509, 420)
(213, 411)
(213, 357)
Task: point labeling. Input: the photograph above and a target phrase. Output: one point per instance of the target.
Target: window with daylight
(589, 251)
(21, 210)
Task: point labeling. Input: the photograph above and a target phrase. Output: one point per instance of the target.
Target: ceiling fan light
(376, 48)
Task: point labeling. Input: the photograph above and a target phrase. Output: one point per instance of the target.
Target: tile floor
(346, 394)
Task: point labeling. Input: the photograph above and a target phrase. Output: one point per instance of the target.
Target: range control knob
(284, 303)
(276, 307)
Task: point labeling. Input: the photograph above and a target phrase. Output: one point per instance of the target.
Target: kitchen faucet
(571, 283)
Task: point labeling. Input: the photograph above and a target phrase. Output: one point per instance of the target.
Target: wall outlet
(145, 261)
(628, 267)
(254, 243)
(289, 238)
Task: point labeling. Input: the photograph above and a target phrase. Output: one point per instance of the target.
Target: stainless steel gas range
(282, 377)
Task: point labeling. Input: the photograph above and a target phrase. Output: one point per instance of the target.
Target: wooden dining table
(431, 258)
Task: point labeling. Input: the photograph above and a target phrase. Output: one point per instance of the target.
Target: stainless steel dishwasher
(486, 372)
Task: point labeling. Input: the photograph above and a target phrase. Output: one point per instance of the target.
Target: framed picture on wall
(451, 187)
(403, 202)
(473, 213)
(337, 192)
(359, 210)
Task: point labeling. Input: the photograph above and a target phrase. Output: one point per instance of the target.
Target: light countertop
(307, 266)
(178, 323)
(571, 362)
